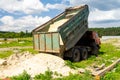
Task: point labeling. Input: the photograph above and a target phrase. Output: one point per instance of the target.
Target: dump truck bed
(62, 32)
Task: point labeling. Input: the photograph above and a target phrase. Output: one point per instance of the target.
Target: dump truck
(67, 35)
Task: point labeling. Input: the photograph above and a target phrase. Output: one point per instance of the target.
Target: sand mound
(33, 64)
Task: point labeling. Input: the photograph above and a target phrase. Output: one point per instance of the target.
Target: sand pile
(33, 64)
(55, 25)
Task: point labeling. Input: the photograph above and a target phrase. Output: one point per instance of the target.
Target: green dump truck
(67, 35)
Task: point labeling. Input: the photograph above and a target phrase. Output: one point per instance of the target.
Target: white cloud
(103, 13)
(24, 23)
(99, 18)
(99, 15)
(26, 6)
(7, 20)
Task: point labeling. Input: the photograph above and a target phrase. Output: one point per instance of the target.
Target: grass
(4, 54)
(31, 50)
(48, 75)
(19, 43)
(23, 76)
(113, 75)
(108, 53)
(85, 76)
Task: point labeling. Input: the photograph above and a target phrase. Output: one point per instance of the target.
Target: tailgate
(47, 42)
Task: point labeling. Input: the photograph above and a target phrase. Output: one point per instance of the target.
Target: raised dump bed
(62, 32)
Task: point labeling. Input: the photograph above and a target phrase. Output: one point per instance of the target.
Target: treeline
(113, 31)
(15, 34)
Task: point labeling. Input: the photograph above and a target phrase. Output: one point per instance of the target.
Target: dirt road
(13, 48)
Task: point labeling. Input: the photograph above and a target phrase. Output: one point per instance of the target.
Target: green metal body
(66, 36)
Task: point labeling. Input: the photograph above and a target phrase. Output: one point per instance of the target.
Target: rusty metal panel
(42, 42)
(48, 42)
(56, 42)
(36, 41)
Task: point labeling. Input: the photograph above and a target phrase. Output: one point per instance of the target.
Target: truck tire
(84, 53)
(75, 55)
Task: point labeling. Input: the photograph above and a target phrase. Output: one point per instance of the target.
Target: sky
(22, 15)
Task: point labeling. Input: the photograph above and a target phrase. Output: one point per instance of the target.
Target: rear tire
(84, 53)
(75, 55)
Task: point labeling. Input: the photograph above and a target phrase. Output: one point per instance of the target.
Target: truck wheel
(75, 55)
(84, 53)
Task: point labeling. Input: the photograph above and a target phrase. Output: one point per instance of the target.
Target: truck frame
(67, 35)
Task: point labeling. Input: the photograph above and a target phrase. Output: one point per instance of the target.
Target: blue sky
(21, 15)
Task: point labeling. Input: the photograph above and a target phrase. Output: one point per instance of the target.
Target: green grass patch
(46, 76)
(85, 76)
(16, 43)
(70, 64)
(4, 54)
(23, 76)
(113, 75)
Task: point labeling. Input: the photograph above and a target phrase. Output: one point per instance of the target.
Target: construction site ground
(38, 63)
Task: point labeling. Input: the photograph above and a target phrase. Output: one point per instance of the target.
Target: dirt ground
(13, 48)
(113, 41)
